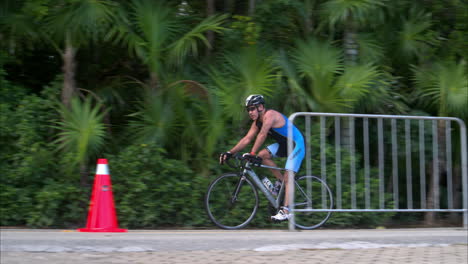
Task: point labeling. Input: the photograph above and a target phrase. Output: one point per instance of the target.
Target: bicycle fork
(242, 179)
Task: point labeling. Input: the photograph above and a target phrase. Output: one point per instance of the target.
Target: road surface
(442, 245)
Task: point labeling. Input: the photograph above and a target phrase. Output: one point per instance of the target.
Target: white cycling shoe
(281, 216)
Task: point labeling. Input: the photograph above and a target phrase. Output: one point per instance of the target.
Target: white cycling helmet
(254, 99)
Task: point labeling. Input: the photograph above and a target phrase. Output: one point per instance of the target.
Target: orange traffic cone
(101, 214)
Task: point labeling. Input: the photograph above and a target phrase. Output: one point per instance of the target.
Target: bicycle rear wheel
(231, 202)
(311, 193)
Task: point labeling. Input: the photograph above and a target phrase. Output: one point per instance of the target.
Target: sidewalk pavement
(448, 245)
(454, 254)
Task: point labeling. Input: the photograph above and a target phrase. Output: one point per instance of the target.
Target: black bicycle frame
(247, 170)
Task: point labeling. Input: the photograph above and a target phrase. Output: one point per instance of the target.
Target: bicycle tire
(312, 220)
(221, 211)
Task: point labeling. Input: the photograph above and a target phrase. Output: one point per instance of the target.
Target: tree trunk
(154, 82)
(429, 217)
(251, 11)
(351, 55)
(350, 45)
(228, 6)
(308, 22)
(434, 197)
(457, 194)
(69, 87)
(84, 175)
(210, 10)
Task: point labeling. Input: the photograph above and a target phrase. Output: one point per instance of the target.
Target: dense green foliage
(156, 87)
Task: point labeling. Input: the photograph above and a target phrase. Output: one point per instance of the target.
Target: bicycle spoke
(227, 212)
(309, 195)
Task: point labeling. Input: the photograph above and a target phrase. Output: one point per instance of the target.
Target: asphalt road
(448, 246)
(203, 240)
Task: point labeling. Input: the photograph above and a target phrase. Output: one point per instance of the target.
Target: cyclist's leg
(293, 164)
(286, 190)
(267, 154)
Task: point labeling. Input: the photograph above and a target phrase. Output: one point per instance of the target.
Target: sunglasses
(251, 108)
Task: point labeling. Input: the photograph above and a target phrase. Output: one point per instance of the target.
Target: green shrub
(151, 190)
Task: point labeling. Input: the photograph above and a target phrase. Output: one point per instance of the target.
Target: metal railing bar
(366, 162)
(448, 145)
(409, 173)
(376, 116)
(323, 156)
(395, 164)
(464, 170)
(435, 164)
(381, 210)
(338, 161)
(308, 157)
(353, 162)
(381, 164)
(422, 164)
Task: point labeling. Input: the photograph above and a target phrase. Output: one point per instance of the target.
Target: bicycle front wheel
(312, 193)
(231, 201)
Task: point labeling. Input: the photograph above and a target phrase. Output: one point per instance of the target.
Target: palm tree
(324, 84)
(17, 29)
(351, 15)
(415, 40)
(162, 39)
(442, 88)
(247, 71)
(157, 35)
(81, 132)
(71, 24)
(329, 86)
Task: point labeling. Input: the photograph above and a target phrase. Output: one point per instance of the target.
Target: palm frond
(356, 81)
(84, 20)
(228, 92)
(82, 130)
(254, 71)
(319, 62)
(17, 29)
(383, 98)
(147, 30)
(416, 37)
(211, 124)
(341, 11)
(153, 120)
(370, 50)
(189, 43)
(303, 100)
(245, 72)
(445, 86)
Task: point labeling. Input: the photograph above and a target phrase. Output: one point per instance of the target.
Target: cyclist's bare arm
(268, 122)
(246, 139)
(272, 119)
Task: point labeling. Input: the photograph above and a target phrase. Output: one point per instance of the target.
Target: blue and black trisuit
(280, 149)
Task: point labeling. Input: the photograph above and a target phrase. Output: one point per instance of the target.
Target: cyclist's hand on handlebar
(255, 160)
(224, 157)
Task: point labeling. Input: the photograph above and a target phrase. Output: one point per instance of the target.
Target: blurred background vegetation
(157, 88)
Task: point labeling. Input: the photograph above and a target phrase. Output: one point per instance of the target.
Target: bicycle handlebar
(242, 160)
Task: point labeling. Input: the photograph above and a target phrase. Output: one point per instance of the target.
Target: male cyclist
(268, 122)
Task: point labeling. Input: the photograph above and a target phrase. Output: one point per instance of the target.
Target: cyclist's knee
(264, 154)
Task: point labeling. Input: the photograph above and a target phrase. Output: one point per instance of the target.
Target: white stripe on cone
(102, 169)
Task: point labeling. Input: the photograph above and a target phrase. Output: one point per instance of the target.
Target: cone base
(109, 229)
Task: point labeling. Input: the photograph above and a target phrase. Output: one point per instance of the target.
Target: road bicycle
(232, 200)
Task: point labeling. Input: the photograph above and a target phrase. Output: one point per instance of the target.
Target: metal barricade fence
(385, 142)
